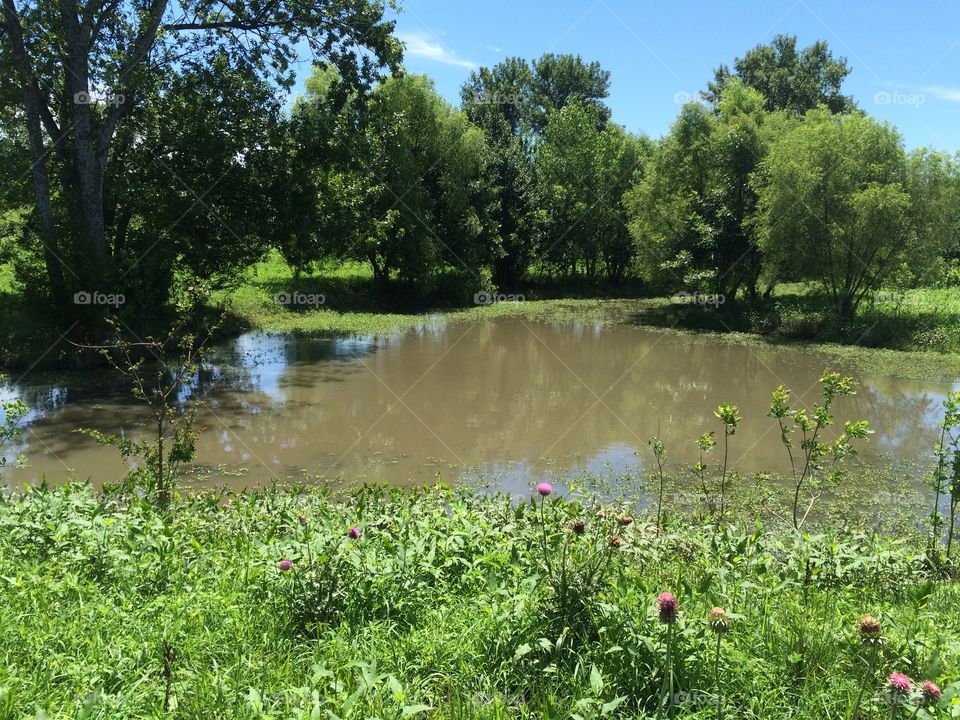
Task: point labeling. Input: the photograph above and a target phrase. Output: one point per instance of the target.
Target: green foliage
(945, 479)
(730, 416)
(692, 215)
(443, 609)
(499, 101)
(813, 449)
(162, 373)
(13, 412)
(399, 180)
(833, 207)
(561, 80)
(135, 115)
(789, 79)
(585, 170)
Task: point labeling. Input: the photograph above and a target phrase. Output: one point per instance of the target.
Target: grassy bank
(913, 334)
(449, 605)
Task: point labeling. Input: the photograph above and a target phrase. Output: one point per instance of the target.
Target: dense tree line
(773, 175)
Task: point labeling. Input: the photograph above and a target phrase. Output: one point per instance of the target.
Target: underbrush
(449, 603)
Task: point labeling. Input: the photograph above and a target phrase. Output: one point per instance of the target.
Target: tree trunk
(89, 169)
(41, 180)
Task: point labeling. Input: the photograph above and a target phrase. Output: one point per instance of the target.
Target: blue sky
(905, 56)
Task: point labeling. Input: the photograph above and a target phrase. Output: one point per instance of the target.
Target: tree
(789, 79)
(401, 181)
(585, 171)
(833, 207)
(84, 69)
(498, 101)
(191, 186)
(692, 216)
(933, 184)
(559, 80)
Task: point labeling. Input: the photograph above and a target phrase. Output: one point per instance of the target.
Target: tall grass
(441, 604)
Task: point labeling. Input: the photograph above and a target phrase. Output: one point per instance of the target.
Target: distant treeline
(185, 168)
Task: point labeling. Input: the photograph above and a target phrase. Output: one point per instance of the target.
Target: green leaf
(521, 651)
(409, 710)
(89, 705)
(596, 680)
(609, 707)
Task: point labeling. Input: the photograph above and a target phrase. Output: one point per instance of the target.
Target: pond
(509, 401)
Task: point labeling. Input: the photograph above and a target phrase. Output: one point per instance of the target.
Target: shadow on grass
(810, 317)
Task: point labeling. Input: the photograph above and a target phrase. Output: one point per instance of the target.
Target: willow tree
(834, 207)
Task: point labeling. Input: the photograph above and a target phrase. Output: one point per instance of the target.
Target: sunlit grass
(442, 608)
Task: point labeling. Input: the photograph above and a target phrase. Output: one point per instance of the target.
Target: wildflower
(719, 622)
(900, 683)
(544, 488)
(870, 630)
(579, 527)
(931, 692)
(624, 520)
(285, 565)
(668, 607)
(615, 541)
(601, 514)
(354, 533)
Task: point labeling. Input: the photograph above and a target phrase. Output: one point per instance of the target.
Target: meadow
(448, 603)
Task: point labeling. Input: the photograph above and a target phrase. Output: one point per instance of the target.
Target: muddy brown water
(510, 401)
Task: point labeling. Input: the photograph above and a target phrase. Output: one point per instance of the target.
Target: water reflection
(508, 400)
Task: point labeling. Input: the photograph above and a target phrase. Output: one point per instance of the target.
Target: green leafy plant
(162, 372)
(945, 479)
(813, 449)
(659, 453)
(13, 413)
(705, 443)
(730, 417)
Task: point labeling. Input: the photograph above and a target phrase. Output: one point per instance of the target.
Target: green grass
(448, 605)
(794, 318)
(916, 335)
(353, 306)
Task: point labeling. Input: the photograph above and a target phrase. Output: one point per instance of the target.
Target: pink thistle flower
(285, 565)
(900, 683)
(931, 691)
(354, 533)
(668, 607)
(544, 488)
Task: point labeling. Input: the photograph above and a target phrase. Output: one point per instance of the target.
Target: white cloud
(942, 93)
(491, 48)
(420, 46)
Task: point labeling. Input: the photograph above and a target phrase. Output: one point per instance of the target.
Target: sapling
(730, 417)
(705, 443)
(946, 474)
(13, 413)
(160, 370)
(812, 447)
(658, 452)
